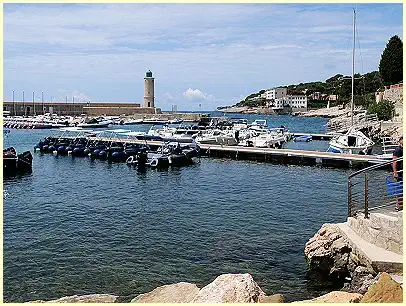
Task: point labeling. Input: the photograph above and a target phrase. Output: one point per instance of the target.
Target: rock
(340, 264)
(361, 278)
(276, 298)
(335, 297)
(175, 293)
(91, 298)
(328, 252)
(386, 290)
(231, 288)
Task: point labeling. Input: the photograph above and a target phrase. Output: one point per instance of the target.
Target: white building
(297, 101)
(276, 93)
(293, 101)
(279, 103)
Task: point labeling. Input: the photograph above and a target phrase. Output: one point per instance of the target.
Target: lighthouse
(149, 90)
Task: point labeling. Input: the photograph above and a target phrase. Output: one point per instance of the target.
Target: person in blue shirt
(397, 167)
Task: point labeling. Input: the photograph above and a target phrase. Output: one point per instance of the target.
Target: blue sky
(208, 54)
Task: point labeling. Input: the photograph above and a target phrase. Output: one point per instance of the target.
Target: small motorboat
(303, 138)
(259, 124)
(14, 163)
(218, 137)
(176, 121)
(95, 123)
(170, 154)
(353, 142)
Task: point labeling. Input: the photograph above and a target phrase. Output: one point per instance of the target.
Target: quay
(279, 156)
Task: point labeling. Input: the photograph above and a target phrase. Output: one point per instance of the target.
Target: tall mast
(352, 79)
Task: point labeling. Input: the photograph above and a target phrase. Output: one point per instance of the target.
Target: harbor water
(77, 226)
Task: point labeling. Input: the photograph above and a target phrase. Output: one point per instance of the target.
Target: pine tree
(391, 64)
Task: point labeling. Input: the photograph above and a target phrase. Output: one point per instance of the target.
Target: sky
(201, 55)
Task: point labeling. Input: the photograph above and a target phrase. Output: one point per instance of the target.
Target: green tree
(391, 64)
(334, 79)
(384, 109)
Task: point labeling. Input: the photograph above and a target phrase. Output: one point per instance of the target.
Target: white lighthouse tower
(149, 90)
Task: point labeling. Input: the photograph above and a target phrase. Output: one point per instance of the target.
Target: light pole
(14, 105)
(33, 104)
(23, 103)
(42, 99)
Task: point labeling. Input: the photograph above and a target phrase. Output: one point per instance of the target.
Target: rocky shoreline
(241, 288)
(247, 110)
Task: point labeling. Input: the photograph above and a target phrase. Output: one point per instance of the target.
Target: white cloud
(197, 95)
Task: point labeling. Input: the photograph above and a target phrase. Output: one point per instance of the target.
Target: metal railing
(374, 189)
(389, 145)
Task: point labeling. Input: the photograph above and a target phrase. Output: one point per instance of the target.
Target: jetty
(269, 155)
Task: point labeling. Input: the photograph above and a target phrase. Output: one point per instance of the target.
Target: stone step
(379, 258)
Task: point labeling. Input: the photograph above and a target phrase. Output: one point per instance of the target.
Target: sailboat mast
(353, 71)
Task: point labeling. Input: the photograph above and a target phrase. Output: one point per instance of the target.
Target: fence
(374, 189)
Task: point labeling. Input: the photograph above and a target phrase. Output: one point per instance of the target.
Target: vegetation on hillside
(336, 85)
(384, 109)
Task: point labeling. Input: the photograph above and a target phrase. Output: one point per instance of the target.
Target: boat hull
(17, 164)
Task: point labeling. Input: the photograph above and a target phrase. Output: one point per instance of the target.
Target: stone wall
(92, 109)
(393, 94)
(382, 230)
(117, 111)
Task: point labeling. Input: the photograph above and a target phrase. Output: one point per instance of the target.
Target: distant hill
(365, 87)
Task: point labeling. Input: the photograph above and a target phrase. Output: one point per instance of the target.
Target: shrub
(384, 109)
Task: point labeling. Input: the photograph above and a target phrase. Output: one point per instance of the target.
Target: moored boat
(303, 138)
(353, 142)
(14, 163)
(95, 123)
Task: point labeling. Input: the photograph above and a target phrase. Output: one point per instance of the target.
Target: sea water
(77, 226)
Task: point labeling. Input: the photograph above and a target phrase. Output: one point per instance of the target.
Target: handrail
(367, 192)
(375, 167)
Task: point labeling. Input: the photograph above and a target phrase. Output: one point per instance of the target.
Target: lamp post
(42, 99)
(14, 105)
(33, 104)
(23, 103)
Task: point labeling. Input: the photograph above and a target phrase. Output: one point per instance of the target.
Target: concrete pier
(278, 156)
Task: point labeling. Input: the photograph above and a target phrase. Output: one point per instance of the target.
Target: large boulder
(329, 252)
(335, 297)
(91, 298)
(175, 293)
(231, 288)
(386, 290)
